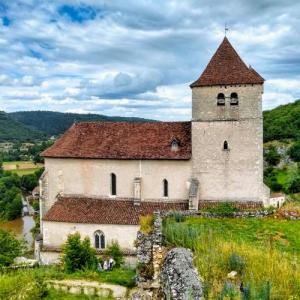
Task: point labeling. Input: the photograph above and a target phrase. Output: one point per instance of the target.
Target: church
(101, 177)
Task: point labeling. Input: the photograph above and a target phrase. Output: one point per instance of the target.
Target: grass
(53, 294)
(10, 165)
(269, 248)
(21, 172)
(30, 284)
(122, 276)
(21, 167)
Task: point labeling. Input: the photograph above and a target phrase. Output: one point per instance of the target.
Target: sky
(138, 57)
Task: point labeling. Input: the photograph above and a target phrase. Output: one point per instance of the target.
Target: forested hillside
(12, 131)
(55, 123)
(282, 122)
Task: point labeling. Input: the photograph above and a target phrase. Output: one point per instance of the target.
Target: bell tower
(227, 131)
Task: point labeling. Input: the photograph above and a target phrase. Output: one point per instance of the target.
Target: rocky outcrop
(179, 278)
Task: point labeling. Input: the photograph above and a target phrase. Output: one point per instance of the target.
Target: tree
(114, 251)
(14, 208)
(10, 248)
(29, 182)
(294, 151)
(295, 185)
(272, 156)
(78, 254)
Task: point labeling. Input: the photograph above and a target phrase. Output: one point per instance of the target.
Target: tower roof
(226, 67)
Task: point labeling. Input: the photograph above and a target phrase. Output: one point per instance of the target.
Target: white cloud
(137, 58)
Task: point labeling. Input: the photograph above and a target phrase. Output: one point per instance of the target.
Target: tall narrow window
(166, 188)
(225, 145)
(99, 239)
(113, 184)
(221, 99)
(234, 100)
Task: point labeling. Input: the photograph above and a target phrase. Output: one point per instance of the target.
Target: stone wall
(91, 178)
(236, 173)
(237, 204)
(124, 234)
(180, 280)
(163, 274)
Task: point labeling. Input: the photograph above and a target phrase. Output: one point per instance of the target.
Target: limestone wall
(204, 102)
(236, 173)
(91, 177)
(233, 174)
(55, 233)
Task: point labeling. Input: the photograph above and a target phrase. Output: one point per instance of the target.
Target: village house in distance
(100, 177)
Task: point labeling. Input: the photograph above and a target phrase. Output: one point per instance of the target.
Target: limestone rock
(180, 280)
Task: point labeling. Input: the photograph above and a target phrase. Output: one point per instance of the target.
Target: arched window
(99, 239)
(166, 188)
(174, 145)
(113, 184)
(234, 99)
(221, 99)
(225, 145)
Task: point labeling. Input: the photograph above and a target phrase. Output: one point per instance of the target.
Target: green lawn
(284, 234)
(59, 295)
(30, 284)
(264, 251)
(21, 172)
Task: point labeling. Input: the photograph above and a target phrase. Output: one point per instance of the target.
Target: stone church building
(100, 177)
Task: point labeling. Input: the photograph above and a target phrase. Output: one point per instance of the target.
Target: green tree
(294, 151)
(114, 251)
(29, 182)
(78, 254)
(14, 208)
(272, 156)
(10, 248)
(295, 185)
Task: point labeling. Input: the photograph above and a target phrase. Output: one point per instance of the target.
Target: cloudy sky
(138, 57)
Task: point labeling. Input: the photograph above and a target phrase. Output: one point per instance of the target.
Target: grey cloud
(145, 45)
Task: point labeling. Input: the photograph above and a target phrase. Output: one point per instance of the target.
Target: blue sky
(137, 58)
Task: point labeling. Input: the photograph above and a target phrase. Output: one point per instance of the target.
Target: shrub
(226, 209)
(229, 291)
(295, 185)
(236, 263)
(114, 251)
(294, 151)
(274, 185)
(29, 182)
(272, 156)
(179, 217)
(146, 224)
(10, 248)
(78, 254)
(14, 208)
(36, 205)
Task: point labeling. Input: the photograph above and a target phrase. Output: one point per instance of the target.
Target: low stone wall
(90, 288)
(204, 214)
(289, 215)
(237, 204)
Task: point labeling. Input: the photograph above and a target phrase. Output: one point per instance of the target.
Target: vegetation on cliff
(264, 252)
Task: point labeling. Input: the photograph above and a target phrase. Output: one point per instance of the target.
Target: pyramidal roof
(226, 67)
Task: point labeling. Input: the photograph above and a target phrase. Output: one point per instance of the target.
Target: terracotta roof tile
(226, 67)
(123, 140)
(105, 211)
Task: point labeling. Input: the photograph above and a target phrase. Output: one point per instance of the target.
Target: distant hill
(13, 131)
(282, 122)
(55, 123)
